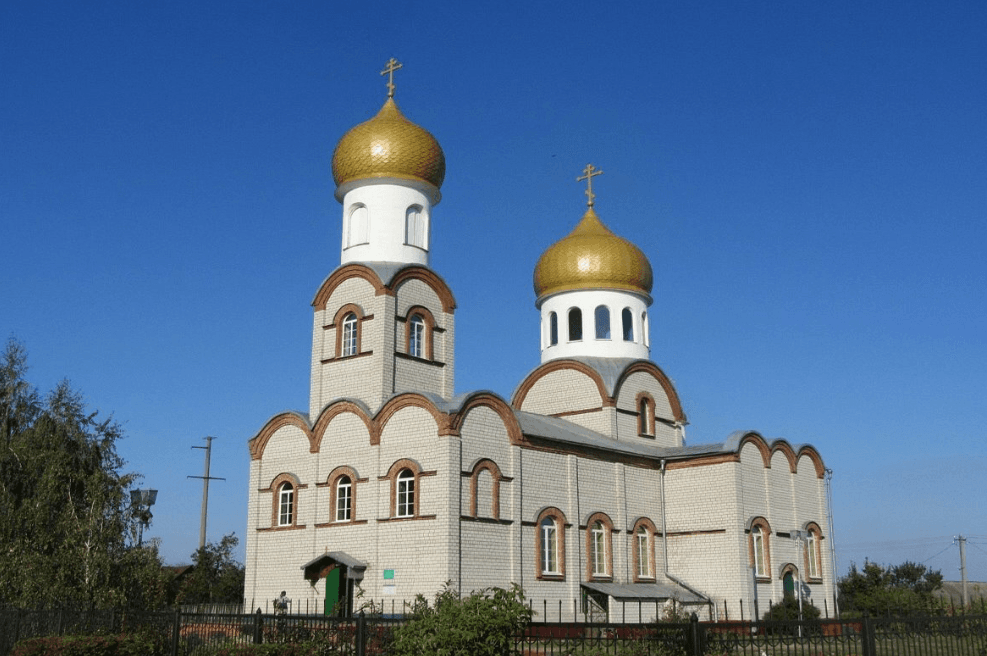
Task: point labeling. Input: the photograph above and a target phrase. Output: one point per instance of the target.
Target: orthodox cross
(590, 172)
(392, 66)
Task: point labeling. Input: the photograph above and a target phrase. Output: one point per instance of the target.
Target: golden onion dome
(388, 146)
(592, 257)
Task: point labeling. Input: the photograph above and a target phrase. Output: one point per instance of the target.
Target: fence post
(868, 643)
(695, 648)
(258, 627)
(361, 634)
(176, 632)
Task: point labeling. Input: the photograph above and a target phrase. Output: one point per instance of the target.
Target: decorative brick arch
(332, 482)
(442, 420)
(786, 450)
(332, 411)
(343, 274)
(277, 484)
(337, 322)
(816, 459)
(760, 443)
(430, 278)
(485, 465)
(559, 365)
(762, 568)
(650, 368)
(259, 442)
(495, 403)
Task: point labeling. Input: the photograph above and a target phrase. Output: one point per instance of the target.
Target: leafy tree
(878, 589)
(482, 624)
(65, 512)
(216, 576)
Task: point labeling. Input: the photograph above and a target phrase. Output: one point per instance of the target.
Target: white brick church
(580, 487)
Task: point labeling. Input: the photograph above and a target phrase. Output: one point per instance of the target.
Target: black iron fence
(191, 634)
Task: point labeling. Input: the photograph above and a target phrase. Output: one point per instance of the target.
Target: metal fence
(189, 634)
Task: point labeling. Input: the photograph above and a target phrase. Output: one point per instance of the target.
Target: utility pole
(205, 489)
(966, 594)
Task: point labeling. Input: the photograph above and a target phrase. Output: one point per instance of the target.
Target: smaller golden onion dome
(388, 146)
(592, 257)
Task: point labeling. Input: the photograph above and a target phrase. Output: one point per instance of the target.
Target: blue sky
(808, 181)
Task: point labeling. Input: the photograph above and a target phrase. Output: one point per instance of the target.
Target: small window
(644, 329)
(602, 322)
(646, 416)
(286, 504)
(416, 227)
(359, 226)
(553, 329)
(349, 335)
(416, 337)
(549, 546)
(575, 324)
(642, 540)
(627, 321)
(813, 553)
(759, 546)
(344, 499)
(406, 493)
(598, 549)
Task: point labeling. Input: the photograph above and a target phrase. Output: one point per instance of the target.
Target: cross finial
(590, 171)
(389, 69)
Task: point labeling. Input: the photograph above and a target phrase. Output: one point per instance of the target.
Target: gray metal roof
(339, 557)
(650, 591)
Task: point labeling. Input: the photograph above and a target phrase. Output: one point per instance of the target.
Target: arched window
(760, 545)
(644, 329)
(286, 504)
(553, 329)
(344, 499)
(644, 550)
(813, 552)
(405, 494)
(602, 315)
(416, 336)
(485, 490)
(599, 547)
(645, 415)
(416, 227)
(359, 226)
(550, 544)
(349, 335)
(575, 324)
(627, 324)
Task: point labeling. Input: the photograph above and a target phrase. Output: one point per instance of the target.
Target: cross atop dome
(389, 69)
(590, 172)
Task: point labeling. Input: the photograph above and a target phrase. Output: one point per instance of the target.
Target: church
(581, 487)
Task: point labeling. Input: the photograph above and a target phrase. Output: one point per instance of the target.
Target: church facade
(580, 488)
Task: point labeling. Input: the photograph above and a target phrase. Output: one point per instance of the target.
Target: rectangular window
(599, 552)
(344, 502)
(406, 497)
(643, 554)
(286, 502)
(810, 546)
(416, 337)
(759, 562)
(549, 547)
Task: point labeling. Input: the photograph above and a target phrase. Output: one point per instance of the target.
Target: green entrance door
(332, 590)
(789, 584)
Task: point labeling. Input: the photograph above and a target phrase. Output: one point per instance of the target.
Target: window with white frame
(349, 335)
(416, 227)
(627, 324)
(598, 549)
(405, 494)
(759, 537)
(812, 553)
(416, 336)
(642, 542)
(602, 316)
(549, 533)
(286, 504)
(575, 324)
(344, 499)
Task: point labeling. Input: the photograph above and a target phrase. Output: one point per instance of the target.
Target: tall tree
(216, 576)
(65, 512)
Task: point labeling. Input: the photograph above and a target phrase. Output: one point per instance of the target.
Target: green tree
(65, 512)
(481, 624)
(877, 589)
(216, 576)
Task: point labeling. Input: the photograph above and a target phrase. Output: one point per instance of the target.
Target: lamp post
(799, 537)
(143, 499)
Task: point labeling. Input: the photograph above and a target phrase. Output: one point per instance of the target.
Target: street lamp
(799, 537)
(143, 499)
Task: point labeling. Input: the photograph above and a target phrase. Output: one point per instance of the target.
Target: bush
(483, 624)
(788, 610)
(135, 644)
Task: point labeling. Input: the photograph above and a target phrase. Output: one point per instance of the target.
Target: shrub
(134, 644)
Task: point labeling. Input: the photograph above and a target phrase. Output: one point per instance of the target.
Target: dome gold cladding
(388, 146)
(592, 257)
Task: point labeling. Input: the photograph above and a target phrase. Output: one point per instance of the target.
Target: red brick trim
(275, 489)
(644, 398)
(430, 278)
(429, 320)
(479, 468)
(665, 382)
(343, 274)
(495, 403)
(357, 311)
(330, 412)
(443, 421)
(417, 475)
(334, 477)
(761, 523)
(816, 532)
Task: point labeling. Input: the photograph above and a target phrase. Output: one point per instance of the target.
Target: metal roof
(651, 591)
